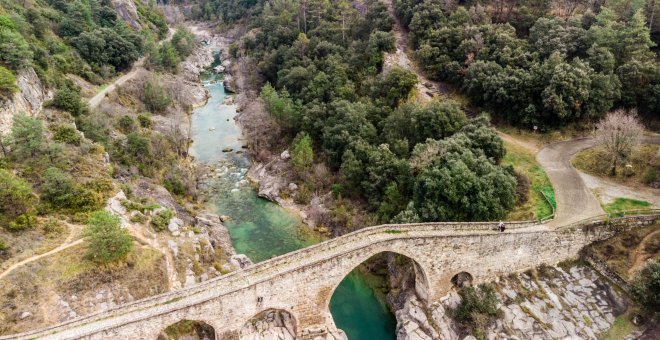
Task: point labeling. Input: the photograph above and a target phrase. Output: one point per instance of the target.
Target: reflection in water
(261, 229)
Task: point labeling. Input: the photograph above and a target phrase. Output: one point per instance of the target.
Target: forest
(409, 162)
(540, 62)
(526, 63)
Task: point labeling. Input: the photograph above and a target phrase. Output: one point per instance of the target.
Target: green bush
(14, 50)
(67, 98)
(67, 134)
(27, 135)
(155, 97)
(162, 219)
(7, 83)
(184, 42)
(144, 120)
(62, 192)
(302, 155)
(18, 202)
(646, 287)
(477, 305)
(107, 240)
(127, 124)
(3, 245)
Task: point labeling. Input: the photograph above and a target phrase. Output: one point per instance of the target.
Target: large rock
(128, 12)
(240, 261)
(29, 99)
(174, 226)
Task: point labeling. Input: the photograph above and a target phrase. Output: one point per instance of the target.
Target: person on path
(501, 226)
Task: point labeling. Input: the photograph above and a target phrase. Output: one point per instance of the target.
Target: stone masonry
(303, 282)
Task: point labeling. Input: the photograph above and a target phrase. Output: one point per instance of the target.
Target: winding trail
(426, 88)
(139, 64)
(639, 256)
(74, 230)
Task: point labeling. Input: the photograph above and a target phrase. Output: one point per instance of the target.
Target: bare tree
(619, 133)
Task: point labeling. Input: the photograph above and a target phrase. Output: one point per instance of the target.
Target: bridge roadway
(302, 282)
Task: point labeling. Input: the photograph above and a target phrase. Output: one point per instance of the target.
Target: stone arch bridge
(302, 282)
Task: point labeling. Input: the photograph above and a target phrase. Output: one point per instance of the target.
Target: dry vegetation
(644, 160)
(626, 252)
(66, 284)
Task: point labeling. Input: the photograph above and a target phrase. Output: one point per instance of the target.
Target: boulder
(174, 226)
(240, 261)
(285, 155)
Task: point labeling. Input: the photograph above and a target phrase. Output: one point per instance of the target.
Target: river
(261, 229)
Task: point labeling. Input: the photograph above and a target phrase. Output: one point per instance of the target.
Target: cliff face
(128, 12)
(552, 303)
(29, 99)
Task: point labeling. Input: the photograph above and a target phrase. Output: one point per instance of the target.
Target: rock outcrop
(29, 98)
(557, 304)
(128, 12)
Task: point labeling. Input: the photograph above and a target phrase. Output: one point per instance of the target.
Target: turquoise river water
(261, 229)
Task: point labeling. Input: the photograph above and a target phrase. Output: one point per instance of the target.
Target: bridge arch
(190, 329)
(269, 324)
(421, 274)
(462, 279)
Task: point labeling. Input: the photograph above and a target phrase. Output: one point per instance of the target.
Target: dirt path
(518, 142)
(98, 98)
(426, 89)
(639, 256)
(74, 230)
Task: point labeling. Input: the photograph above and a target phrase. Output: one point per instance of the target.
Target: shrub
(184, 42)
(3, 245)
(18, 202)
(27, 136)
(127, 124)
(174, 183)
(302, 154)
(14, 50)
(61, 192)
(162, 219)
(144, 120)
(155, 97)
(477, 305)
(646, 287)
(7, 83)
(107, 240)
(67, 134)
(233, 50)
(67, 98)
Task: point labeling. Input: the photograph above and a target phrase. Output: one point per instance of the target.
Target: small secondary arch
(188, 329)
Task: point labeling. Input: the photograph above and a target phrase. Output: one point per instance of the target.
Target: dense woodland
(542, 63)
(410, 162)
(539, 63)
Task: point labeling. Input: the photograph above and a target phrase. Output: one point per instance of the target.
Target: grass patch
(394, 231)
(621, 327)
(101, 88)
(621, 204)
(536, 207)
